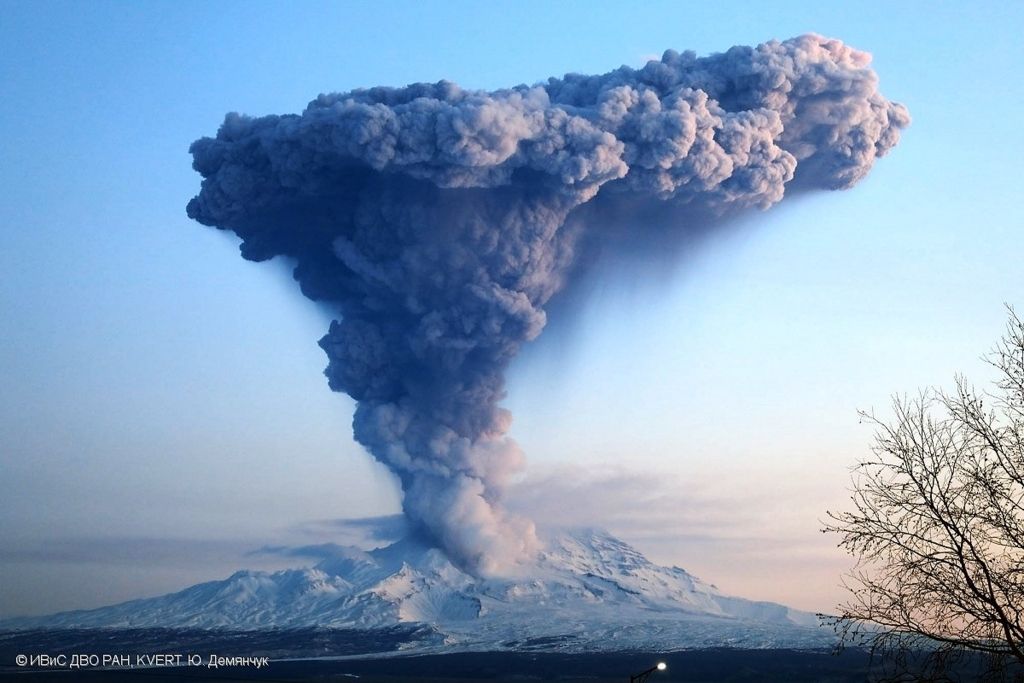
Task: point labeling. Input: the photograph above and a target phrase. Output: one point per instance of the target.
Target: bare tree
(937, 529)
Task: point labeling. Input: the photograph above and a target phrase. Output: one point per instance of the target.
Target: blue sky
(159, 391)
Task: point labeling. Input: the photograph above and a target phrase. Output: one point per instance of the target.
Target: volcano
(586, 591)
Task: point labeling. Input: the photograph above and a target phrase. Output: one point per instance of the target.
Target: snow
(587, 591)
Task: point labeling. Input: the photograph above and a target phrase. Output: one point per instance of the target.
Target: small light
(662, 666)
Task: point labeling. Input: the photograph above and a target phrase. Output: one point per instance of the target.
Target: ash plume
(435, 221)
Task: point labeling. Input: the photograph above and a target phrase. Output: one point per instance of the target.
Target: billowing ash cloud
(434, 219)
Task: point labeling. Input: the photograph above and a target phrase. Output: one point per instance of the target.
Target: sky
(164, 411)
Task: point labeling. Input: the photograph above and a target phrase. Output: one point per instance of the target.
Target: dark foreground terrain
(356, 655)
(710, 666)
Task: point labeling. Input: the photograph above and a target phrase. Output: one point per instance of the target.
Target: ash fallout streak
(438, 222)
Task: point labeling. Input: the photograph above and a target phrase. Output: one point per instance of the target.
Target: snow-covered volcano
(587, 591)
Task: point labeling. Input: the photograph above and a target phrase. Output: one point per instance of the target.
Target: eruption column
(434, 220)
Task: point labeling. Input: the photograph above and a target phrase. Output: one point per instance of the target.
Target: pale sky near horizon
(164, 411)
